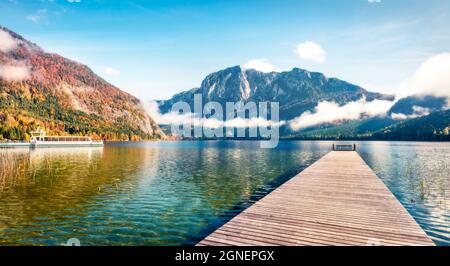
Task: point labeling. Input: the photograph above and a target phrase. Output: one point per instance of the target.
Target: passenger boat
(39, 139)
(15, 144)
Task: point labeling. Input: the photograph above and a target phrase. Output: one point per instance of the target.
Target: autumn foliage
(66, 97)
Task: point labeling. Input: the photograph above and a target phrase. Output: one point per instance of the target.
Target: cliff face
(64, 96)
(297, 90)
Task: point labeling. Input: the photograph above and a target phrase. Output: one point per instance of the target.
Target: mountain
(432, 127)
(435, 126)
(297, 90)
(405, 109)
(414, 106)
(42, 89)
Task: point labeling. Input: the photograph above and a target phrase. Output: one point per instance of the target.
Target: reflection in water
(41, 188)
(138, 193)
(172, 193)
(419, 176)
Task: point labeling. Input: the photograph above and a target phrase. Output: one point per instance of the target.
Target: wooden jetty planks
(336, 201)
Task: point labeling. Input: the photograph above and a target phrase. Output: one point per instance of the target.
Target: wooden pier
(336, 201)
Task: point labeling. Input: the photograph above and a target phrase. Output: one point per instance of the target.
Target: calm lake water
(175, 193)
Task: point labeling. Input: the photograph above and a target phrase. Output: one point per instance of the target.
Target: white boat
(15, 145)
(39, 139)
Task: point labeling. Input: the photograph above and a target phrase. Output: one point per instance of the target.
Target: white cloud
(432, 78)
(260, 65)
(399, 116)
(325, 112)
(374, 1)
(17, 70)
(74, 1)
(152, 109)
(330, 112)
(110, 71)
(41, 13)
(418, 111)
(190, 118)
(311, 51)
(14, 73)
(7, 42)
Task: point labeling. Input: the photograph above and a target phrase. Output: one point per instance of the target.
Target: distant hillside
(435, 126)
(297, 90)
(64, 97)
(418, 105)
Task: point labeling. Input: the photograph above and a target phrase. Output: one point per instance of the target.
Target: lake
(176, 193)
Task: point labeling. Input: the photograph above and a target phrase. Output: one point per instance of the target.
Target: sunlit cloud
(14, 73)
(7, 42)
(14, 70)
(325, 112)
(431, 78)
(260, 65)
(311, 51)
(331, 112)
(418, 111)
(173, 118)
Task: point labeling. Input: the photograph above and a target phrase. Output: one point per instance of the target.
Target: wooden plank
(336, 201)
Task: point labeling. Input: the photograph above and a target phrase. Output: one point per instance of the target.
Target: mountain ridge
(432, 127)
(65, 97)
(297, 90)
(300, 91)
(418, 105)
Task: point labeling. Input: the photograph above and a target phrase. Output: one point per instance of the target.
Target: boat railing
(64, 138)
(11, 141)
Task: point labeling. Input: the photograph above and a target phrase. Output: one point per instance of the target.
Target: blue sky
(154, 49)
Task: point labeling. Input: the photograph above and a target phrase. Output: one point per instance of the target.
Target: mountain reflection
(43, 186)
(174, 193)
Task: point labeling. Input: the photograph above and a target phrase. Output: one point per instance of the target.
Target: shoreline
(19, 144)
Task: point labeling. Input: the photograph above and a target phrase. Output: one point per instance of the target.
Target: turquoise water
(419, 176)
(175, 193)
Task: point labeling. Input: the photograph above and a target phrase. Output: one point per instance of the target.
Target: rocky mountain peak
(297, 90)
